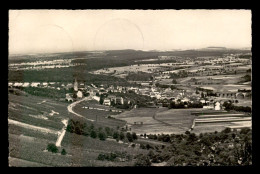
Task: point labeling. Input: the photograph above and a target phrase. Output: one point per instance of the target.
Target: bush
(244, 131)
(151, 154)
(108, 157)
(129, 137)
(226, 130)
(108, 131)
(76, 127)
(102, 136)
(142, 161)
(121, 136)
(101, 157)
(52, 148)
(63, 152)
(142, 146)
(148, 146)
(134, 136)
(93, 134)
(116, 135)
(192, 138)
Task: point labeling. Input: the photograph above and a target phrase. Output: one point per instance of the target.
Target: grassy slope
(101, 115)
(29, 145)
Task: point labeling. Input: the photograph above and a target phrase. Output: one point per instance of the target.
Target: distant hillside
(127, 55)
(217, 48)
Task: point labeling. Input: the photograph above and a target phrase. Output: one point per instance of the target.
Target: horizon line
(159, 50)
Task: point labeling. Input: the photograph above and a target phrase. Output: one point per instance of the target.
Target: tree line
(229, 106)
(85, 129)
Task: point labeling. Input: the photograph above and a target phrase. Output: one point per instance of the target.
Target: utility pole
(96, 118)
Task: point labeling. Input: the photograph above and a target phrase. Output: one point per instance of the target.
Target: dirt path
(70, 107)
(45, 130)
(62, 133)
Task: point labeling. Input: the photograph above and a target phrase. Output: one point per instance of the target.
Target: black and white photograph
(129, 88)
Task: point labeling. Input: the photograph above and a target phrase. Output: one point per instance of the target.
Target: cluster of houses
(79, 89)
(112, 98)
(227, 60)
(58, 63)
(151, 91)
(52, 85)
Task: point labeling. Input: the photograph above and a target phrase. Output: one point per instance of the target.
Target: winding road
(70, 107)
(61, 133)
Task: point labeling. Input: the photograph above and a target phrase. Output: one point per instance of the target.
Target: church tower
(75, 85)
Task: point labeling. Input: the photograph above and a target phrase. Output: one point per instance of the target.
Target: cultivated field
(210, 122)
(159, 120)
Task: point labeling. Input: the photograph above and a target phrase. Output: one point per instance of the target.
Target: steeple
(75, 85)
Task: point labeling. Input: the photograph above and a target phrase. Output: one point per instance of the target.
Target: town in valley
(129, 107)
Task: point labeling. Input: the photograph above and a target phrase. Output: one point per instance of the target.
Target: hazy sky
(39, 31)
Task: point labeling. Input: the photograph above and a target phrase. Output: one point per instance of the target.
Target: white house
(79, 94)
(217, 106)
(96, 98)
(107, 102)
